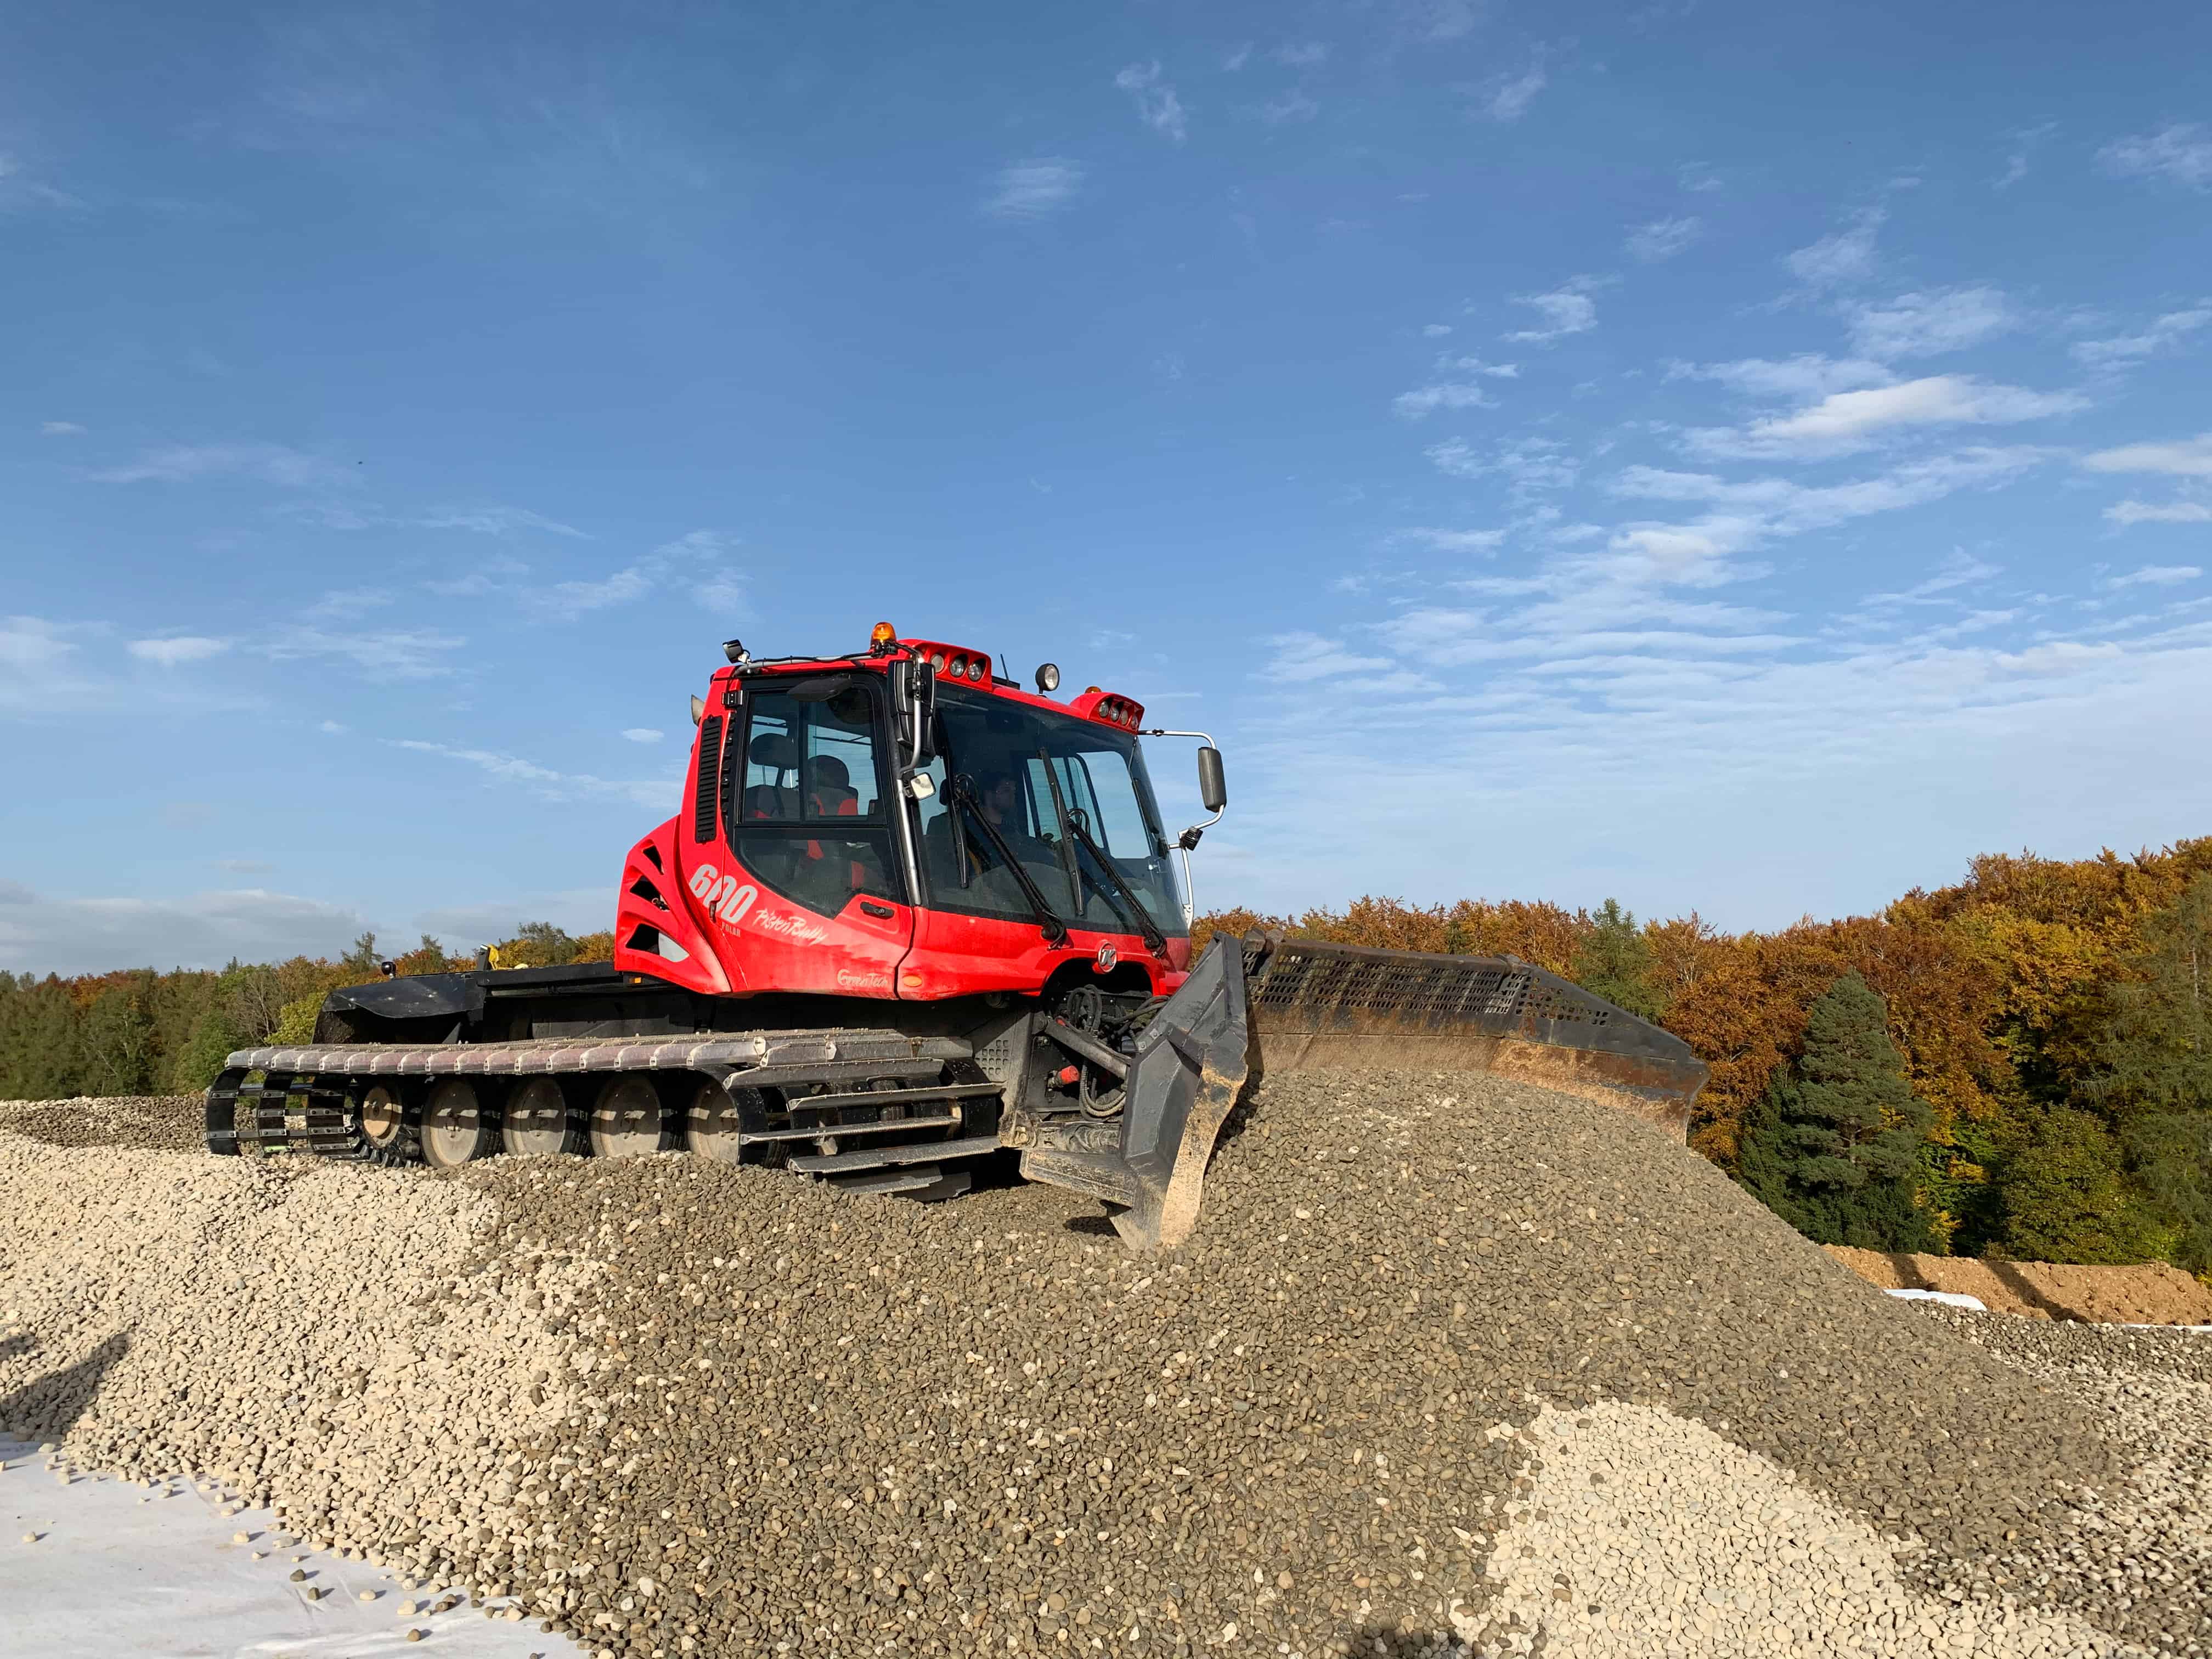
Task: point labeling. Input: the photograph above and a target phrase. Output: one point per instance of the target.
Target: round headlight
(975, 668)
(937, 660)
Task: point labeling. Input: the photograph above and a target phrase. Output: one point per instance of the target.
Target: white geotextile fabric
(1948, 1298)
(112, 1576)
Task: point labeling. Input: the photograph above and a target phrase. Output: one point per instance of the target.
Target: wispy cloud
(1927, 324)
(643, 733)
(701, 561)
(1532, 466)
(497, 521)
(543, 781)
(2157, 575)
(405, 654)
(1807, 376)
(1454, 541)
(178, 649)
(1425, 400)
(1158, 106)
(2180, 152)
(1301, 54)
(1302, 658)
(273, 463)
(1844, 422)
(2163, 333)
(1697, 177)
(1566, 309)
(2185, 457)
(1662, 238)
(2128, 513)
(1842, 256)
(20, 189)
(2024, 143)
(1507, 98)
(61, 429)
(1033, 188)
(202, 930)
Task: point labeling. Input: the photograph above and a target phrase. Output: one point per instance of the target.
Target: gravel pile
(175, 1123)
(677, 1406)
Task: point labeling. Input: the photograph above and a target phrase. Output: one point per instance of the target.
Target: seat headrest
(777, 750)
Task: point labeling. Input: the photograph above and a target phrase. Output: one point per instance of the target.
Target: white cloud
(1784, 506)
(543, 781)
(698, 559)
(61, 429)
(1842, 256)
(1294, 105)
(1531, 464)
(182, 648)
(1662, 238)
(498, 521)
(344, 604)
(1454, 541)
(1697, 177)
(1809, 375)
(564, 601)
(245, 867)
(1844, 422)
(1031, 189)
(2186, 457)
(1507, 98)
(273, 463)
(2157, 575)
(18, 189)
(1236, 59)
(2016, 162)
(2125, 350)
(2128, 513)
(1300, 659)
(1476, 365)
(1158, 106)
(332, 728)
(44, 935)
(395, 654)
(1427, 400)
(643, 733)
(1927, 324)
(2179, 151)
(1566, 309)
(1436, 331)
(1301, 54)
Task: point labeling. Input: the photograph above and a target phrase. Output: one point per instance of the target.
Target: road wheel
(539, 1119)
(628, 1120)
(717, 1119)
(456, 1128)
(390, 1126)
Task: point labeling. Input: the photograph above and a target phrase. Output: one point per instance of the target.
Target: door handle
(883, 910)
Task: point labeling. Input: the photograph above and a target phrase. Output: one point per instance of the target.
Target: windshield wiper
(961, 790)
(1154, 940)
(1066, 848)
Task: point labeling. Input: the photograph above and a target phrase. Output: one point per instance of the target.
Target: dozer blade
(1191, 1063)
(1341, 1007)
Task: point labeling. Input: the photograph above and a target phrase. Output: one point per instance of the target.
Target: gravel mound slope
(175, 1123)
(680, 1408)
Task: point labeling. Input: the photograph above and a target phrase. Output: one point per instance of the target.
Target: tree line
(2018, 1064)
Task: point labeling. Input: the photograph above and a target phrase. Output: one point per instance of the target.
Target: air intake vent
(710, 778)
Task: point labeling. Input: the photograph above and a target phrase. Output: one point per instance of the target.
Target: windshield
(1012, 757)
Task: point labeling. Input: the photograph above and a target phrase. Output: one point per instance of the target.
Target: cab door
(813, 899)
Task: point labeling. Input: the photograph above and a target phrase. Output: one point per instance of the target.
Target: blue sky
(1724, 456)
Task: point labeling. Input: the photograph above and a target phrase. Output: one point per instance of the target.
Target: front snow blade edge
(1191, 1064)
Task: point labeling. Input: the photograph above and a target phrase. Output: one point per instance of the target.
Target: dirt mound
(2155, 1293)
(682, 1407)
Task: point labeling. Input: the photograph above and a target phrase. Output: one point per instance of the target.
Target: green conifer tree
(1834, 1146)
(1614, 962)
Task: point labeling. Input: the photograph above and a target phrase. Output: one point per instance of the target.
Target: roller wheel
(539, 1119)
(390, 1126)
(628, 1120)
(456, 1127)
(714, 1124)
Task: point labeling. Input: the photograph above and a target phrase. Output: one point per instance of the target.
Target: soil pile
(2153, 1293)
(681, 1407)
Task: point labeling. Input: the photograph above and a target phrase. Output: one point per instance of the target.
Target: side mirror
(913, 708)
(1213, 788)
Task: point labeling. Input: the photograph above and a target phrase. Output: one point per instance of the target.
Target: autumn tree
(1834, 1148)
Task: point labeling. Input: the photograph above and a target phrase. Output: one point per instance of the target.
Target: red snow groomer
(912, 916)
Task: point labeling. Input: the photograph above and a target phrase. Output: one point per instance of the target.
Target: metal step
(881, 1097)
(890, 1180)
(1102, 1174)
(824, 1131)
(875, 1158)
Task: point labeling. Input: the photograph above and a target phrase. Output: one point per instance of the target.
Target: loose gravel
(675, 1407)
(175, 1123)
